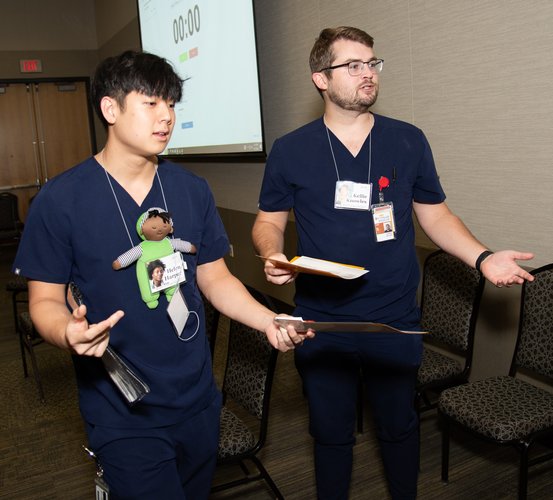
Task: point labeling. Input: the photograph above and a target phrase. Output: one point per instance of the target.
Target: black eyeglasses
(355, 68)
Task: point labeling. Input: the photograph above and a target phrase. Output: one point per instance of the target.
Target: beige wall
(61, 33)
(475, 76)
(451, 68)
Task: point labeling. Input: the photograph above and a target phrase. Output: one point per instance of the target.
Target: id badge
(383, 221)
(351, 195)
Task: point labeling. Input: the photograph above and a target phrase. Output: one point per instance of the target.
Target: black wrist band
(481, 257)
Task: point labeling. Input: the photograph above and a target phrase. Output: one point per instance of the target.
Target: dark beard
(361, 105)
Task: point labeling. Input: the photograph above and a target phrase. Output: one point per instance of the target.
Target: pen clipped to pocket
(131, 386)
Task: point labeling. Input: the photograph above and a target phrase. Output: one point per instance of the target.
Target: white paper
(341, 270)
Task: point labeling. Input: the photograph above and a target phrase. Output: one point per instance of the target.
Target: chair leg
(418, 410)
(261, 474)
(268, 479)
(244, 468)
(445, 450)
(36, 373)
(14, 306)
(22, 346)
(360, 401)
(523, 472)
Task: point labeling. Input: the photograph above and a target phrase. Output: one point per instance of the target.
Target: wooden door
(18, 138)
(62, 117)
(45, 128)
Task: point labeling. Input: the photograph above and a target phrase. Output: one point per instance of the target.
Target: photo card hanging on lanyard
(383, 221)
(352, 195)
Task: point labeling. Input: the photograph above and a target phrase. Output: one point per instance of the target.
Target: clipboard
(302, 325)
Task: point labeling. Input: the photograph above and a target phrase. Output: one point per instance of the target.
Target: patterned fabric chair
(451, 294)
(28, 336)
(506, 409)
(251, 363)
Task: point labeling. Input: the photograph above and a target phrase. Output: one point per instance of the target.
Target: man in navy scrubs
(165, 445)
(348, 176)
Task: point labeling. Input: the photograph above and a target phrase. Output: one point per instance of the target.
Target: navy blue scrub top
(301, 175)
(74, 232)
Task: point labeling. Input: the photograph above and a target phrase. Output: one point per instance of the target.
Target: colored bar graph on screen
(189, 54)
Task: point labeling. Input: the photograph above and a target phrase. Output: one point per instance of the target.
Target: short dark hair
(164, 216)
(322, 55)
(130, 71)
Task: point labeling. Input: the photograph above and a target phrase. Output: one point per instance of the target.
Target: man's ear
(320, 80)
(109, 107)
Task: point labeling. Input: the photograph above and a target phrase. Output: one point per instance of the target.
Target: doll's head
(154, 224)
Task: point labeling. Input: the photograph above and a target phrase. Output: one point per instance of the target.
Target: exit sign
(30, 65)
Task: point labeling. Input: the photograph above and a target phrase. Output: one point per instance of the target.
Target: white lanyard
(350, 195)
(334, 158)
(119, 206)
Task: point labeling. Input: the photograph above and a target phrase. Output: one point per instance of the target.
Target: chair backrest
(451, 294)
(534, 349)
(251, 363)
(9, 212)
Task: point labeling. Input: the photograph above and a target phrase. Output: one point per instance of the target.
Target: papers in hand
(301, 325)
(322, 267)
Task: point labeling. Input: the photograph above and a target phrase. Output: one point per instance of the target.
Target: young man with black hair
(165, 445)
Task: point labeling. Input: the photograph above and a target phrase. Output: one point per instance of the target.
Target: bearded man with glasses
(354, 179)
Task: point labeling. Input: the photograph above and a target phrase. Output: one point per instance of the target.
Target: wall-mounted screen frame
(212, 45)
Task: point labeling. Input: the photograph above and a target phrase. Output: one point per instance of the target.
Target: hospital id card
(383, 221)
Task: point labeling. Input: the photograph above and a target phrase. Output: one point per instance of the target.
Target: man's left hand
(501, 268)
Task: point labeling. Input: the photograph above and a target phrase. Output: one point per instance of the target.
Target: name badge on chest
(351, 195)
(384, 221)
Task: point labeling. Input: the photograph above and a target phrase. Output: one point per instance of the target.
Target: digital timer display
(196, 37)
(185, 26)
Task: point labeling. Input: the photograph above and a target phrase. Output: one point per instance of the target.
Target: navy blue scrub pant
(176, 462)
(330, 366)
